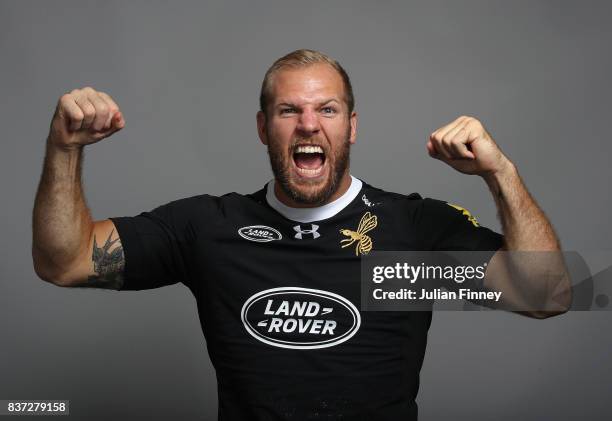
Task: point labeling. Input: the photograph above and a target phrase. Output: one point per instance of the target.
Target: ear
(261, 127)
(353, 123)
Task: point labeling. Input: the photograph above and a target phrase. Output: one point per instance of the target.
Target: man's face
(308, 131)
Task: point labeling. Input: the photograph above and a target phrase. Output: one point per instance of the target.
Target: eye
(287, 110)
(328, 110)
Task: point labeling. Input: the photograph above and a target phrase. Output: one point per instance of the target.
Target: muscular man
(276, 272)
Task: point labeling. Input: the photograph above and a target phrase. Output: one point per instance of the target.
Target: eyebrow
(324, 102)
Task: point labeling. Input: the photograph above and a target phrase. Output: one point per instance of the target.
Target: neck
(343, 186)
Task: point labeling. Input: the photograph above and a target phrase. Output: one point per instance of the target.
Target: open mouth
(309, 160)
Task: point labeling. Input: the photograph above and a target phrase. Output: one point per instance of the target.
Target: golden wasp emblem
(364, 242)
(465, 212)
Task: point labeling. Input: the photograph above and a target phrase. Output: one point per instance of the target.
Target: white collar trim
(313, 214)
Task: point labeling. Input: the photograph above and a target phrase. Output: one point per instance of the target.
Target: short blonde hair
(302, 58)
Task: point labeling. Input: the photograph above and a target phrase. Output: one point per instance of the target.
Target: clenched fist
(84, 116)
(465, 145)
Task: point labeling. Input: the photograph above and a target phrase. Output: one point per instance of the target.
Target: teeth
(309, 149)
(309, 172)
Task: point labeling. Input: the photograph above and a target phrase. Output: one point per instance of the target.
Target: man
(276, 273)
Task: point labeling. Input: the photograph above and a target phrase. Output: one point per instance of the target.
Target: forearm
(536, 282)
(524, 224)
(62, 223)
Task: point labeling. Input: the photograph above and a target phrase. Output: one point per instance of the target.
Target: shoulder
(228, 205)
(398, 209)
(443, 210)
(416, 204)
(192, 203)
(202, 205)
(372, 193)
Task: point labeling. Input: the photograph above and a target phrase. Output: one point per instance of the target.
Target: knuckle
(88, 112)
(102, 108)
(475, 126)
(472, 120)
(77, 115)
(64, 99)
(106, 96)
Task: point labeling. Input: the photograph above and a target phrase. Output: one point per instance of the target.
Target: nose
(308, 123)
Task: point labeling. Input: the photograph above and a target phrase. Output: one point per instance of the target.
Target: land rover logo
(300, 318)
(259, 233)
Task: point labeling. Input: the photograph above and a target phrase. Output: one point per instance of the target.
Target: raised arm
(69, 248)
(537, 282)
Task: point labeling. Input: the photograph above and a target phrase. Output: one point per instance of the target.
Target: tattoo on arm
(108, 265)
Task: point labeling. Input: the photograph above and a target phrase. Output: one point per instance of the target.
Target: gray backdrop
(187, 77)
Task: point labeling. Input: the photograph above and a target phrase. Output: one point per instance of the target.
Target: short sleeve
(450, 227)
(155, 245)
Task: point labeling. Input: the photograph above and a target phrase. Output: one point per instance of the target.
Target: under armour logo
(313, 230)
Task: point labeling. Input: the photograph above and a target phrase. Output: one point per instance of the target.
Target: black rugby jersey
(278, 296)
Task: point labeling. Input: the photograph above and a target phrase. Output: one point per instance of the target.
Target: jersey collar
(313, 214)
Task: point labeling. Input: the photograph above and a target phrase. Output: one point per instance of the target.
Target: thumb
(117, 123)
